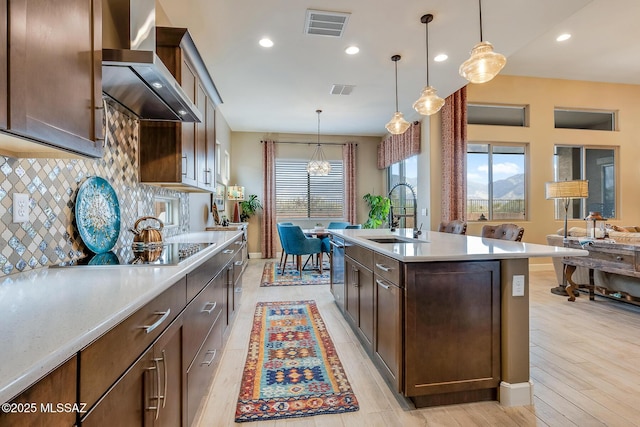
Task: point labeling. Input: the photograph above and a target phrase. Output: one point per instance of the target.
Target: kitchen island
(444, 317)
(54, 318)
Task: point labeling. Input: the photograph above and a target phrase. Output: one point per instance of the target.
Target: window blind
(299, 195)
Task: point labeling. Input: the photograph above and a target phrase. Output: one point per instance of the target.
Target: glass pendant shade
(397, 125)
(483, 65)
(429, 102)
(318, 165)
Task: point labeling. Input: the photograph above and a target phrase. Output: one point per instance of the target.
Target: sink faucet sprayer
(392, 221)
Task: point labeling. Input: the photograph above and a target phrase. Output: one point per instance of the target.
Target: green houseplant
(249, 207)
(379, 207)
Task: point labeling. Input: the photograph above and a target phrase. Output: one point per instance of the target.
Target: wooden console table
(605, 256)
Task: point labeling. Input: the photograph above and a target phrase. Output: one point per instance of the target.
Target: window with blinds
(299, 195)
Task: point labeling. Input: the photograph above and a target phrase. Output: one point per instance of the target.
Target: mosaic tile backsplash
(50, 236)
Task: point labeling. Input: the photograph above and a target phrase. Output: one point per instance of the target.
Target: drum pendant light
(429, 102)
(397, 125)
(318, 165)
(484, 64)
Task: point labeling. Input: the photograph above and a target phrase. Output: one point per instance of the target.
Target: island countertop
(48, 314)
(435, 246)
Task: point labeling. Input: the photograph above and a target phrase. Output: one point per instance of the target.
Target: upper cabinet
(50, 77)
(179, 154)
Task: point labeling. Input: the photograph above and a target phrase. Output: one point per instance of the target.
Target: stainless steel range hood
(132, 73)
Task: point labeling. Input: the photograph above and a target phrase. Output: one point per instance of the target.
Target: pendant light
(397, 125)
(318, 165)
(484, 64)
(429, 102)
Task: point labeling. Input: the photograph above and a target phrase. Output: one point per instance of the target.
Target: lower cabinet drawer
(200, 373)
(199, 316)
(103, 361)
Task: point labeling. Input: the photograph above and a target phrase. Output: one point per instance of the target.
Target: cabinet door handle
(165, 314)
(356, 277)
(210, 361)
(381, 283)
(383, 267)
(238, 263)
(157, 397)
(238, 242)
(166, 377)
(213, 306)
(207, 176)
(228, 251)
(184, 169)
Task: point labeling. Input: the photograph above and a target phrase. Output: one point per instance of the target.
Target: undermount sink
(394, 239)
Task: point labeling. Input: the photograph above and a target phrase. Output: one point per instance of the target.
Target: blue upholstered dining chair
(336, 225)
(296, 243)
(280, 235)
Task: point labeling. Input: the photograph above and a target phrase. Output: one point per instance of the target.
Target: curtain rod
(312, 143)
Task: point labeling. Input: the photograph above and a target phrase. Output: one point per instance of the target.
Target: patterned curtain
(268, 238)
(454, 154)
(349, 158)
(395, 148)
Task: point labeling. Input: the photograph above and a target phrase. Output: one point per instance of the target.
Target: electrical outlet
(518, 285)
(20, 207)
(424, 211)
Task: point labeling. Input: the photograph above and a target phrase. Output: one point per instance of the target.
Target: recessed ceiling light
(441, 57)
(352, 50)
(563, 37)
(265, 42)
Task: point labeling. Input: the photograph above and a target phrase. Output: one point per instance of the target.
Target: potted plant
(249, 207)
(379, 207)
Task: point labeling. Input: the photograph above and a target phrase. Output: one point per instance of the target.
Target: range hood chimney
(132, 73)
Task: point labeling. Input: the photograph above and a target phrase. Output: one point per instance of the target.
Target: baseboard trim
(255, 255)
(518, 394)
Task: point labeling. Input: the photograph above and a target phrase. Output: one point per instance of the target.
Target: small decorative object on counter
(596, 225)
(148, 236)
(225, 221)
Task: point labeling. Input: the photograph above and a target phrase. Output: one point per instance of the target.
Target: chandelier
(318, 165)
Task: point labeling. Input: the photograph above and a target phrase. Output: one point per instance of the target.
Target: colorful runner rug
(292, 368)
(273, 276)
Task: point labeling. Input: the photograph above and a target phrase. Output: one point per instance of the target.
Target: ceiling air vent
(341, 89)
(323, 23)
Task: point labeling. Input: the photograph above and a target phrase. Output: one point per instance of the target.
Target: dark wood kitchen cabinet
(150, 391)
(387, 348)
(175, 154)
(452, 332)
(359, 285)
(38, 405)
(51, 76)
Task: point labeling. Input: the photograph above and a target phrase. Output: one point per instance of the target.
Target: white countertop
(435, 246)
(48, 314)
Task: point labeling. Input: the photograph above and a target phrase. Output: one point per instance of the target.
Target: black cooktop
(164, 254)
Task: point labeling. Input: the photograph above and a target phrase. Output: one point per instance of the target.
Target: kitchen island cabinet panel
(360, 300)
(452, 328)
(52, 73)
(388, 330)
(57, 387)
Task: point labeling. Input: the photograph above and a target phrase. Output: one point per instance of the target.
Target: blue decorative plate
(97, 215)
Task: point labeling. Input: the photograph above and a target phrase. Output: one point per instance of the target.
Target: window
(496, 181)
(300, 195)
(597, 165)
(167, 210)
(497, 115)
(401, 198)
(584, 119)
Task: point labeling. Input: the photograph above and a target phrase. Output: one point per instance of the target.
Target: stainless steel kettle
(147, 236)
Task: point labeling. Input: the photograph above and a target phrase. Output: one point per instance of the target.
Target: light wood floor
(585, 366)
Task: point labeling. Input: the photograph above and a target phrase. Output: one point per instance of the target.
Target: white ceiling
(278, 90)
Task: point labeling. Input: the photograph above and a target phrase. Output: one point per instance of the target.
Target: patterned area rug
(292, 368)
(272, 276)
